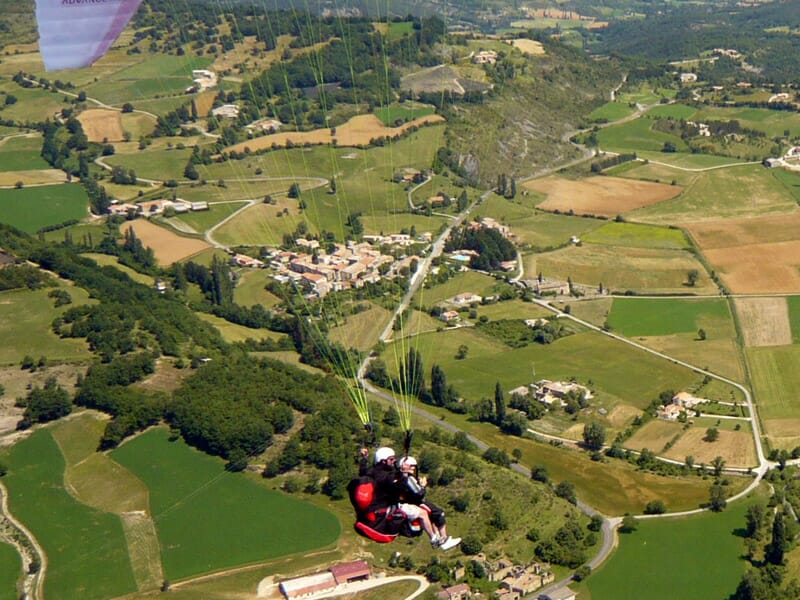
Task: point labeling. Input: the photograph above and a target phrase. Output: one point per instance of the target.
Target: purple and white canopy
(75, 33)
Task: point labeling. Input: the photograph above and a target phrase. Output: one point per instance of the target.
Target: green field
(775, 377)
(587, 356)
(638, 236)
(154, 164)
(793, 302)
(32, 208)
(203, 220)
(672, 111)
(231, 332)
(250, 290)
(686, 161)
(106, 259)
(25, 317)
(10, 572)
(86, 548)
(772, 122)
(22, 154)
(610, 111)
(401, 112)
(471, 281)
(742, 191)
(635, 136)
(703, 553)
(209, 519)
(642, 317)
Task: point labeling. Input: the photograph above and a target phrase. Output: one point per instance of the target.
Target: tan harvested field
(719, 355)
(758, 268)
(736, 447)
(358, 131)
(654, 435)
(204, 101)
(531, 47)
(783, 433)
(603, 196)
(622, 414)
(731, 233)
(167, 246)
(36, 177)
(102, 125)
(143, 549)
(764, 321)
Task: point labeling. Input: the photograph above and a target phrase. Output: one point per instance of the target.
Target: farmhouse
(348, 572)
(455, 592)
(548, 286)
(449, 316)
(202, 79)
(780, 97)
(688, 77)
(308, 584)
(687, 400)
(485, 57)
(670, 412)
(264, 125)
(122, 209)
(243, 260)
(465, 298)
(554, 392)
(535, 322)
(202, 205)
(563, 593)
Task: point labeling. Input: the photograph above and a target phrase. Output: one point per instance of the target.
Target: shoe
(449, 543)
(436, 541)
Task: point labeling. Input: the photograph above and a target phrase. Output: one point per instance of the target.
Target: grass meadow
(106, 259)
(361, 331)
(85, 547)
(209, 519)
(635, 136)
(610, 111)
(469, 281)
(159, 164)
(775, 379)
(232, 333)
(772, 122)
(644, 316)
(637, 236)
(402, 112)
(10, 571)
(22, 154)
(672, 111)
(250, 290)
(25, 318)
(793, 303)
(30, 209)
(742, 191)
(203, 220)
(703, 553)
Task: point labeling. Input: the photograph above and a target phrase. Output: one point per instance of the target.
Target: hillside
(17, 24)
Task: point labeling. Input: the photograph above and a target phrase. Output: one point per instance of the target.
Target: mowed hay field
(531, 47)
(603, 196)
(167, 246)
(644, 270)
(736, 447)
(755, 254)
(102, 125)
(654, 435)
(776, 380)
(358, 131)
(764, 321)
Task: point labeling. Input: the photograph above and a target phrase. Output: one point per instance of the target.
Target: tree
(756, 518)
(566, 490)
(499, 404)
(717, 501)
(594, 436)
(294, 190)
(712, 434)
(701, 334)
(692, 276)
(718, 463)
(776, 548)
(127, 107)
(629, 524)
(463, 349)
(655, 507)
(190, 172)
(438, 386)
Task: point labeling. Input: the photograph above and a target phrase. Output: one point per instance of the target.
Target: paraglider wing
(75, 33)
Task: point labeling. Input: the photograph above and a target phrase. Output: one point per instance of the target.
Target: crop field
(772, 122)
(30, 209)
(526, 46)
(93, 563)
(736, 447)
(764, 321)
(604, 196)
(233, 191)
(32, 178)
(471, 281)
(610, 111)
(683, 161)
(167, 246)
(203, 220)
(644, 316)
(22, 154)
(10, 571)
(242, 521)
(643, 270)
(587, 355)
(361, 331)
(102, 125)
(513, 309)
(672, 111)
(137, 124)
(637, 236)
(718, 353)
(33, 103)
(741, 191)
(654, 435)
(25, 317)
(635, 136)
(790, 181)
(704, 552)
(358, 131)
(265, 224)
(775, 377)
(160, 164)
(793, 304)
(375, 224)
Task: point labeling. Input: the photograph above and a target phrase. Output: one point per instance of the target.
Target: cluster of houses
(348, 266)
(681, 403)
(459, 300)
(155, 207)
(485, 57)
(226, 111)
(552, 393)
(202, 80)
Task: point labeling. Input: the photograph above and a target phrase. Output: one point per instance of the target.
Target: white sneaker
(449, 543)
(436, 541)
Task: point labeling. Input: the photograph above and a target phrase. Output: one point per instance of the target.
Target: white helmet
(383, 453)
(409, 461)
